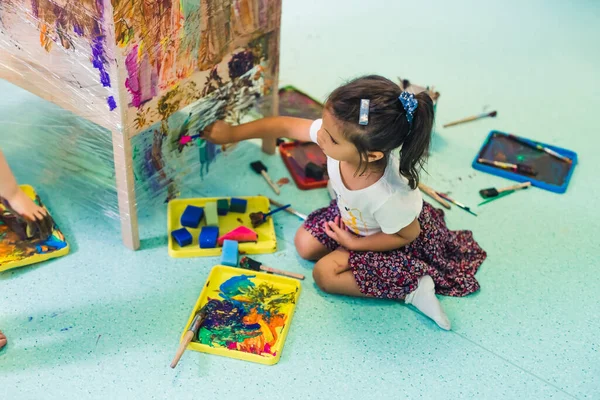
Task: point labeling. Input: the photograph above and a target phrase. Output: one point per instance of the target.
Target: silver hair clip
(363, 118)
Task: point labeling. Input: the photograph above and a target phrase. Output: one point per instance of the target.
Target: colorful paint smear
(170, 44)
(64, 25)
(247, 317)
(176, 140)
(183, 64)
(15, 251)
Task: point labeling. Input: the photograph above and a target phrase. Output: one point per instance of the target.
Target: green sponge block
(210, 214)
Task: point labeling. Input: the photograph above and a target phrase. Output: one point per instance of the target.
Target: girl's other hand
(219, 133)
(337, 230)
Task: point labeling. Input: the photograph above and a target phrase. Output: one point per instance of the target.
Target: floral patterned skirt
(451, 258)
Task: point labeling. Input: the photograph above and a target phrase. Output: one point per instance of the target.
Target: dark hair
(388, 128)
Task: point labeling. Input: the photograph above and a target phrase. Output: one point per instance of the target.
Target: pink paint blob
(185, 140)
(232, 346)
(141, 78)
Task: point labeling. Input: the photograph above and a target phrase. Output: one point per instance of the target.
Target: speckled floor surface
(532, 332)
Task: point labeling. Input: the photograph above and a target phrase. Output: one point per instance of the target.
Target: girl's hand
(39, 223)
(22, 205)
(337, 230)
(219, 133)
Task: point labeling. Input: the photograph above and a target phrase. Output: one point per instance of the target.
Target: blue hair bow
(410, 105)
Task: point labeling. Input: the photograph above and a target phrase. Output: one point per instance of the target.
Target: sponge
(182, 236)
(191, 216)
(238, 205)
(230, 253)
(208, 237)
(212, 216)
(222, 206)
(240, 234)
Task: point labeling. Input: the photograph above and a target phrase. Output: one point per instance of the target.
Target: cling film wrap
(128, 86)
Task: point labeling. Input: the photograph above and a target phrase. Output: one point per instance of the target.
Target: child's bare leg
(3, 340)
(333, 275)
(308, 246)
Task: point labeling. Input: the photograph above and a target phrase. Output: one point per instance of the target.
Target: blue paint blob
(77, 28)
(112, 104)
(99, 60)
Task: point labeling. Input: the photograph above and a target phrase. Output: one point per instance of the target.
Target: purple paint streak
(112, 104)
(35, 7)
(99, 60)
(78, 29)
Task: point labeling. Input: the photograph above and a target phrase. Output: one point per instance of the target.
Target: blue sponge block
(238, 205)
(230, 253)
(191, 216)
(208, 237)
(182, 236)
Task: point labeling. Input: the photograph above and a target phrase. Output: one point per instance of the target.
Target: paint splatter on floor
(283, 181)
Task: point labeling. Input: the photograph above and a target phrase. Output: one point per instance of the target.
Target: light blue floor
(532, 332)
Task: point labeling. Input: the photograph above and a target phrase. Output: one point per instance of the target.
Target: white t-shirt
(387, 206)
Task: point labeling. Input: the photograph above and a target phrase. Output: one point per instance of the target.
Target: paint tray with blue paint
(551, 173)
(248, 314)
(267, 241)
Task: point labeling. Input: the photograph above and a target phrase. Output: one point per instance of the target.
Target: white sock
(424, 299)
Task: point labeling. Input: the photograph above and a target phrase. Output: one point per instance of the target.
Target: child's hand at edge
(338, 231)
(22, 205)
(39, 223)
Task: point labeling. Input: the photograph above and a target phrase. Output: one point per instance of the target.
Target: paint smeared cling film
(138, 88)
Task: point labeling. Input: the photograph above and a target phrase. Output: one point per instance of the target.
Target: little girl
(378, 238)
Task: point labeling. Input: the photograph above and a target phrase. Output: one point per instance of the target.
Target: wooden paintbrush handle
(280, 272)
(462, 121)
(431, 193)
(515, 187)
(289, 209)
(270, 182)
(182, 346)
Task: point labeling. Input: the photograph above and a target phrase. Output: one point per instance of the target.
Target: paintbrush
(493, 192)
(501, 195)
(518, 168)
(433, 194)
(261, 169)
(539, 147)
(472, 118)
(259, 218)
(189, 335)
(248, 263)
(289, 209)
(456, 203)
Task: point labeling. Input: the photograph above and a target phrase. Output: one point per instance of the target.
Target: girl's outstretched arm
(265, 128)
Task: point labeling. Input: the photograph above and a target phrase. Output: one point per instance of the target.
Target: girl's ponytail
(415, 145)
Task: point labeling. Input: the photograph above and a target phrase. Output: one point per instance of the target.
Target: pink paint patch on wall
(141, 79)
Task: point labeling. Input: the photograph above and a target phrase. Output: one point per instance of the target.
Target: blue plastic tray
(523, 178)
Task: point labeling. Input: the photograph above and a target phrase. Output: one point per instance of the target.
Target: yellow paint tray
(248, 314)
(16, 253)
(267, 242)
